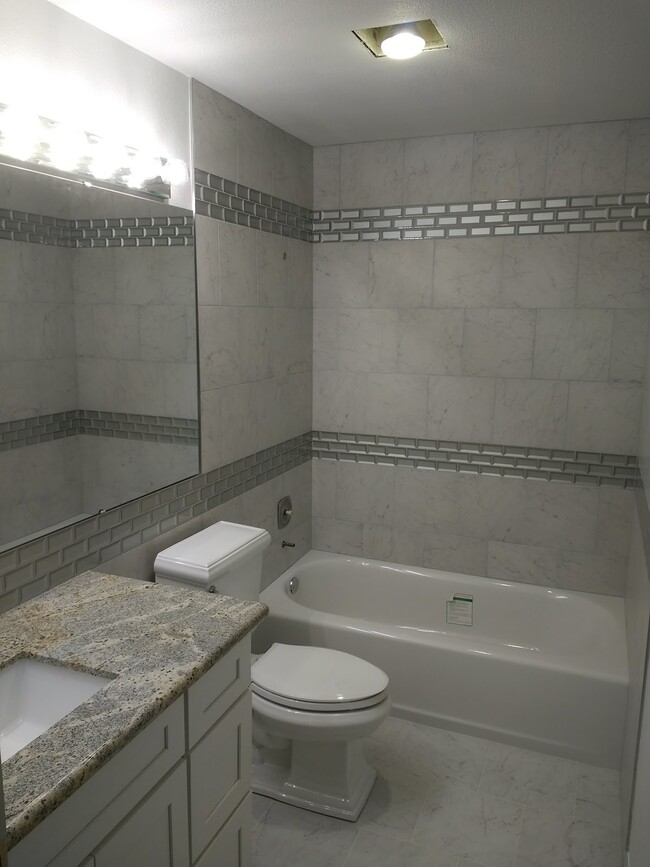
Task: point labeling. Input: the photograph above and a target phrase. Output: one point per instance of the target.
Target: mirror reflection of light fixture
(402, 43)
(49, 145)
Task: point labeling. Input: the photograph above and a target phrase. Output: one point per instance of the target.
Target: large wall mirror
(98, 369)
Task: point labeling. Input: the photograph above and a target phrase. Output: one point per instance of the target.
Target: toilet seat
(317, 679)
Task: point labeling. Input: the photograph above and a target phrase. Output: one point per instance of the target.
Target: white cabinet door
(220, 773)
(155, 834)
(232, 845)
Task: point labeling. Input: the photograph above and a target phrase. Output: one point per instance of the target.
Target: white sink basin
(34, 696)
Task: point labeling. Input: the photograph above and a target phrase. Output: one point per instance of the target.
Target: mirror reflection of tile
(98, 360)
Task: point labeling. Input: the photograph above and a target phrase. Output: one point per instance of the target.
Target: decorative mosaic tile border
(226, 200)
(83, 422)
(520, 462)
(222, 199)
(625, 212)
(35, 566)
(102, 232)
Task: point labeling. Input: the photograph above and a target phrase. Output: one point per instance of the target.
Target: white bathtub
(540, 668)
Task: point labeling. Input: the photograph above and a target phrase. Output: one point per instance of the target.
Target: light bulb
(402, 45)
(107, 159)
(21, 132)
(175, 172)
(67, 147)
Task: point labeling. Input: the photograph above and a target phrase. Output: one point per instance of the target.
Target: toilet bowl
(311, 708)
(311, 705)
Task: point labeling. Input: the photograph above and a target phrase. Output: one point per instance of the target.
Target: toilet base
(343, 776)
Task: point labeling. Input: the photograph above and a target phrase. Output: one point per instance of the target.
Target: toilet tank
(224, 558)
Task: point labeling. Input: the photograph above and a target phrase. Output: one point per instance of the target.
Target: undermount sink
(34, 696)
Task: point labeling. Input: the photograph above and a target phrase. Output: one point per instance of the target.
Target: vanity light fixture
(51, 146)
(402, 41)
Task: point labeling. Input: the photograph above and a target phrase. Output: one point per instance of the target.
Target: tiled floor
(448, 800)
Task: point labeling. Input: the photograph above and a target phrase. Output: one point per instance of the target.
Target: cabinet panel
(232, 845)
(220, 771)
(211, 696)
(155, 834)
(88, 815)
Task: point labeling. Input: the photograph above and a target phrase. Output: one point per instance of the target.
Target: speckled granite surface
(153, 640)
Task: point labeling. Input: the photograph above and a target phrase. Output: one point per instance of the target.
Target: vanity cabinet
(177, 795)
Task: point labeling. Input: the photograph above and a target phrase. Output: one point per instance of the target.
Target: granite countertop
(153, 640)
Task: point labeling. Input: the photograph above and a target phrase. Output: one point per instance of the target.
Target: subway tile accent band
(83, 422)
(226, 200)
(222, 199)
(35, 566)
(624, 212)
(173, 231)
(519, 462)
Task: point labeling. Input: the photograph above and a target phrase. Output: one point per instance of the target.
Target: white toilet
(311, 705)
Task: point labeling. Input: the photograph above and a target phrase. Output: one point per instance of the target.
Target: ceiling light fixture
(402, 43)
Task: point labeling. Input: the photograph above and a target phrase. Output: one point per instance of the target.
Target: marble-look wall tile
(498, 342)
(339, 401)
(461, 408)
(509, 163)
(539, 272)
(255, 150)
(324, 489)
(367, 340)
(629, 345)
(614, 271)
(530, 411)
(401, 274)
(603, 416)
(208, 287)
(237, 265)
(468, 272)
(438, 169)
(364, 493)
(573, 344)
(292, 169)
(341, 275)
(372, 173)
(454, 553)
(396, 402)
(327, 175)
(429, 341)
(637, 177)
(239, 427)
(236, 345)
(341, 537)
(394, 544)
(214, 120)
(585, 158)
(292, 341)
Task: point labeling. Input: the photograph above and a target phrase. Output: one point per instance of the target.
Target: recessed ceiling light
(401, 41)
(402, 44)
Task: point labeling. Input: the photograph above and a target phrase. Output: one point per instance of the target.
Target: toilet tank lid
(201, 558)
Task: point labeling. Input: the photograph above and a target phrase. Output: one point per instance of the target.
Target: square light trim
(372, 37)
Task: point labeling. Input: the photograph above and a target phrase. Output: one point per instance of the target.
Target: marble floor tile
(432, 753)
(286, 836)
(551, 840)
(443, 799)
(456, 820)
(598, 796)
(530, 778)
(381, 748)
(370, 850)
(395, 801)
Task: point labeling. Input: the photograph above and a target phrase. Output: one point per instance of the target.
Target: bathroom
(413, 296)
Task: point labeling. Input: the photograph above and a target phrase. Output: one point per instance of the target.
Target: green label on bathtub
(460, 610)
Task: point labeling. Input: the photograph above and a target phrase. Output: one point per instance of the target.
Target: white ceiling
(511, 63)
